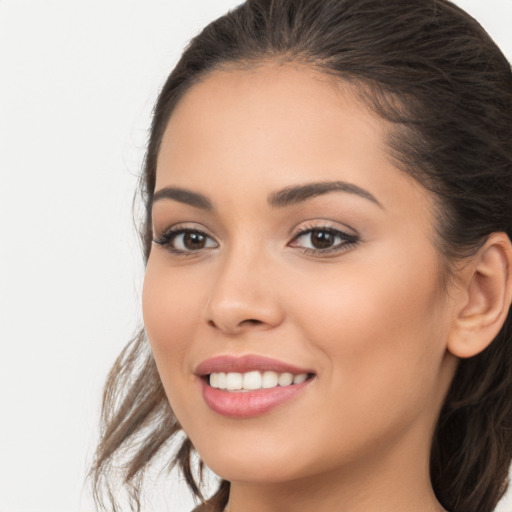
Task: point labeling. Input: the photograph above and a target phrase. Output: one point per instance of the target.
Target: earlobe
(484, 305)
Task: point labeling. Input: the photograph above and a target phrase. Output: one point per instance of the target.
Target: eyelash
(347, 240)
(167, 239)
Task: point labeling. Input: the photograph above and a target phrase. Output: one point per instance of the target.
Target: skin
(371, 318)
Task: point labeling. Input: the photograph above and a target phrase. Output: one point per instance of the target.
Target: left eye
(322, 239)
(186, 240)
(192, 241)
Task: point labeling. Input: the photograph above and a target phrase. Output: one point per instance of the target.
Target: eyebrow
(182, 195)
(280, 199)
(299, 193)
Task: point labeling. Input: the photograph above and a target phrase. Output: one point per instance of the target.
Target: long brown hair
(433, 72)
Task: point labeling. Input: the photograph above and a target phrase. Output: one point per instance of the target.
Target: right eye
(186, 241)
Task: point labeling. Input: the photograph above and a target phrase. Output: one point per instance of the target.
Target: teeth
(299, 379)
(285, 379)
(254, 380)
(234, 381)
(221, 381)
(269, 380)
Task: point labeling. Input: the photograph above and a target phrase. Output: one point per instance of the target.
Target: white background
(77, 83)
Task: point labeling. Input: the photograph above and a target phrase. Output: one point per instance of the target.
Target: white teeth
(221, 381)
(254, 380)
(299, 379)
(285, 379)
(234, 381)
(269, 380)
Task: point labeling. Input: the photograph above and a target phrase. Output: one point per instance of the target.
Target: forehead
(273, 126)
(269, 115)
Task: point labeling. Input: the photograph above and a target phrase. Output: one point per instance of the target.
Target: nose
(243, 296)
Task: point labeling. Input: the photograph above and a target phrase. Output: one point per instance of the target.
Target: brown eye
(194, 241)
(186, 241)
(322, 239)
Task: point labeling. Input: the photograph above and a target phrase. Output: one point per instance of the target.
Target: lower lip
(248, 404)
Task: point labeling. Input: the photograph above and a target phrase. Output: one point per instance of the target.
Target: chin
(254, 470)
(253, 459)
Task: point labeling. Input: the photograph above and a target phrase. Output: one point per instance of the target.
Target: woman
(327, 293)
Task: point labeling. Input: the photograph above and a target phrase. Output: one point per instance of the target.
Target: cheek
(171, 310)
(170, 306)
(379, 329)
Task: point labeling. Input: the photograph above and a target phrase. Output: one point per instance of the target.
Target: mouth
(248, 386)
(254, 380)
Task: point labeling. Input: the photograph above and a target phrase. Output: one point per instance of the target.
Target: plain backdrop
(77, 83)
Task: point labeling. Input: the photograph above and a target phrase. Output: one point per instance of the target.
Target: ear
(484, 301)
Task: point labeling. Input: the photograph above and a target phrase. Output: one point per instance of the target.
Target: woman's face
(287, 242)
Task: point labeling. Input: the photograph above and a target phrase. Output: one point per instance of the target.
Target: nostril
(251, 321)
(244, 323)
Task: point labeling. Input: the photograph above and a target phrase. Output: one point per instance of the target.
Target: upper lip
(246, 363)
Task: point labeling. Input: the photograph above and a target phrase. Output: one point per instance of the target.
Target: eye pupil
(194, 241)
(322, 239)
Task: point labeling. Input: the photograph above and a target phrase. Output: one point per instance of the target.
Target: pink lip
(247, 363)
(247, 404)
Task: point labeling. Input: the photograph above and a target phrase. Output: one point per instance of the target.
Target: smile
(248, 386)
(254, 380)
